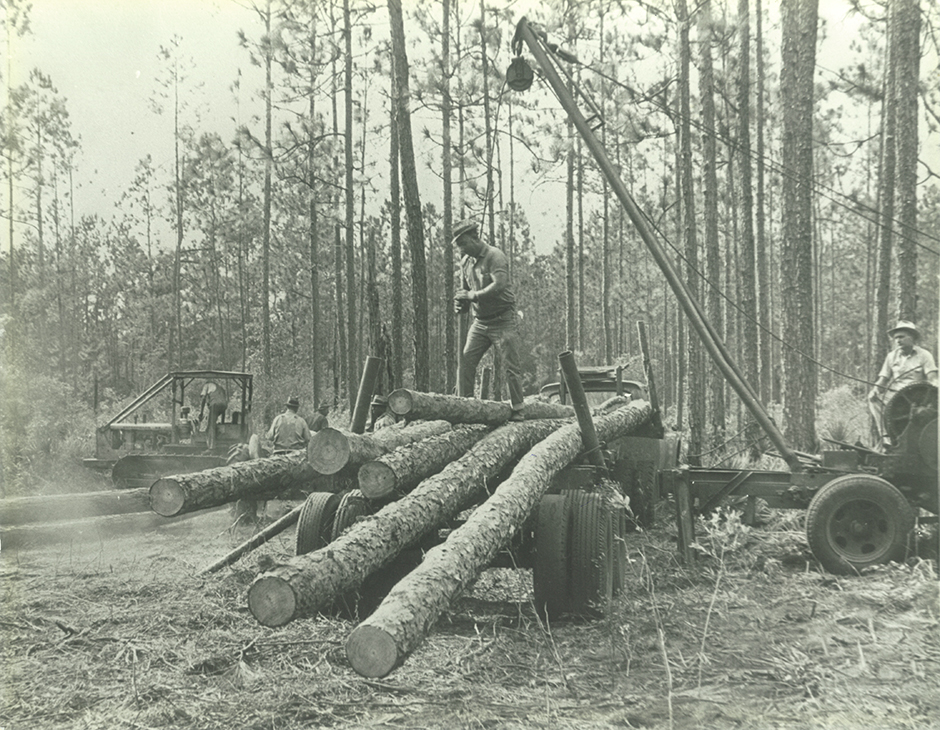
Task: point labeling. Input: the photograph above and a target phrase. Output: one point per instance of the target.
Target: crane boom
(710, 339)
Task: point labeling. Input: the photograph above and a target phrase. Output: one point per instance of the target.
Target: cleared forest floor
(121, 632)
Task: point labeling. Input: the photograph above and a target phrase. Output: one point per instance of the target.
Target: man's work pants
(504, 337)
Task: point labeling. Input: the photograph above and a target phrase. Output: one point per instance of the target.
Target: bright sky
(102, 56)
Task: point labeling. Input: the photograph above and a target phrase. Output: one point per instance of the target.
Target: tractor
(174, 428)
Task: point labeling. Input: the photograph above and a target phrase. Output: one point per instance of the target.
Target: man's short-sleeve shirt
(289, 431)
(478, 274)
(903, 369)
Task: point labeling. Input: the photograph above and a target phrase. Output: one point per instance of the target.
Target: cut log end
(400, 402)
(328, 451)
(271, 601)
(376, 479)
(167, 497)
(371, 651)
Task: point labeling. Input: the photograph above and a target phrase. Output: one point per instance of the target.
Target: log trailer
(860, 503)
(162, 432)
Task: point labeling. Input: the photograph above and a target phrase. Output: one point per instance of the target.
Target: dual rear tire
(580, 555)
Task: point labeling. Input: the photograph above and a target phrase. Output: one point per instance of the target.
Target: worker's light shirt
(903, 369)
(288, 432)
(478, 273)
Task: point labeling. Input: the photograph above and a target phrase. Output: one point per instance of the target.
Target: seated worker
(907, 363)
(289, 431)
(215, 399)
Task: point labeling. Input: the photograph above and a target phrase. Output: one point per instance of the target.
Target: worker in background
(213, 405)
(289, 431)
(381, 415)
(319, 421)
(487, 292)
(905, 364)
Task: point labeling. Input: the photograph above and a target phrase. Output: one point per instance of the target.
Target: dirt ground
(122, 632)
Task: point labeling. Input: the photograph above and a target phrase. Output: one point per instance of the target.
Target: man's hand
(874, 394)
(462, 300)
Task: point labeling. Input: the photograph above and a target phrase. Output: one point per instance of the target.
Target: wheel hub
(860, 529)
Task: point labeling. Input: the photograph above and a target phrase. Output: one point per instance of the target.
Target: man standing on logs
(289, 431)
(486, 291)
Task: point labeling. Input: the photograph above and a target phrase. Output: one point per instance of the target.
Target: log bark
(399, 471)
(414, 404)
(307, 583)
(384, 640)
(59, 507)
(331, 450)
(256, 479)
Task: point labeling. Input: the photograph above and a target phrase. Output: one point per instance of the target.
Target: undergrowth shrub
(44, 433)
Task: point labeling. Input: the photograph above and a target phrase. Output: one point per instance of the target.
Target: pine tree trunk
(716, 404)
(428, 406)
(796, 92)
(399, 471)
(257, 479)
(307, 583)
(384, 640)
(409, 175)
(331, 450)
(906, 38)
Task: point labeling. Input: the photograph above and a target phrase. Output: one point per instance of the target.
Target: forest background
(795, 193)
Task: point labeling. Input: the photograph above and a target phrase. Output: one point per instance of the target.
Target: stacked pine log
(417, 477)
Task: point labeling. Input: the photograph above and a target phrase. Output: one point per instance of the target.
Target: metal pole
(366, 385)
(709, 338)
(592, 447)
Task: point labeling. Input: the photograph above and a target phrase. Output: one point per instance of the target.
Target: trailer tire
(352, 506)
(550, 570)
(592, 554)
(623, 524)
(856, 521)
(315, 524)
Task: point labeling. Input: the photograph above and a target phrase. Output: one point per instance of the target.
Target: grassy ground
(122, 632)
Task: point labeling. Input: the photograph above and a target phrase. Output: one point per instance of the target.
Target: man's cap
(904, 324)
(465, 226)
(323, 408)
(292, 402)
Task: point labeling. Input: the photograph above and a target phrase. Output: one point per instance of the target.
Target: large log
(78, 505)
(414, 404)
(391, 633)
(331, 450)
(307, 583)
(399, 471)
(256, 479)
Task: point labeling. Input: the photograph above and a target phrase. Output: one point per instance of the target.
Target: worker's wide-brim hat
(904, 325)
(465, 226)
(379, 400)
(292, 402)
